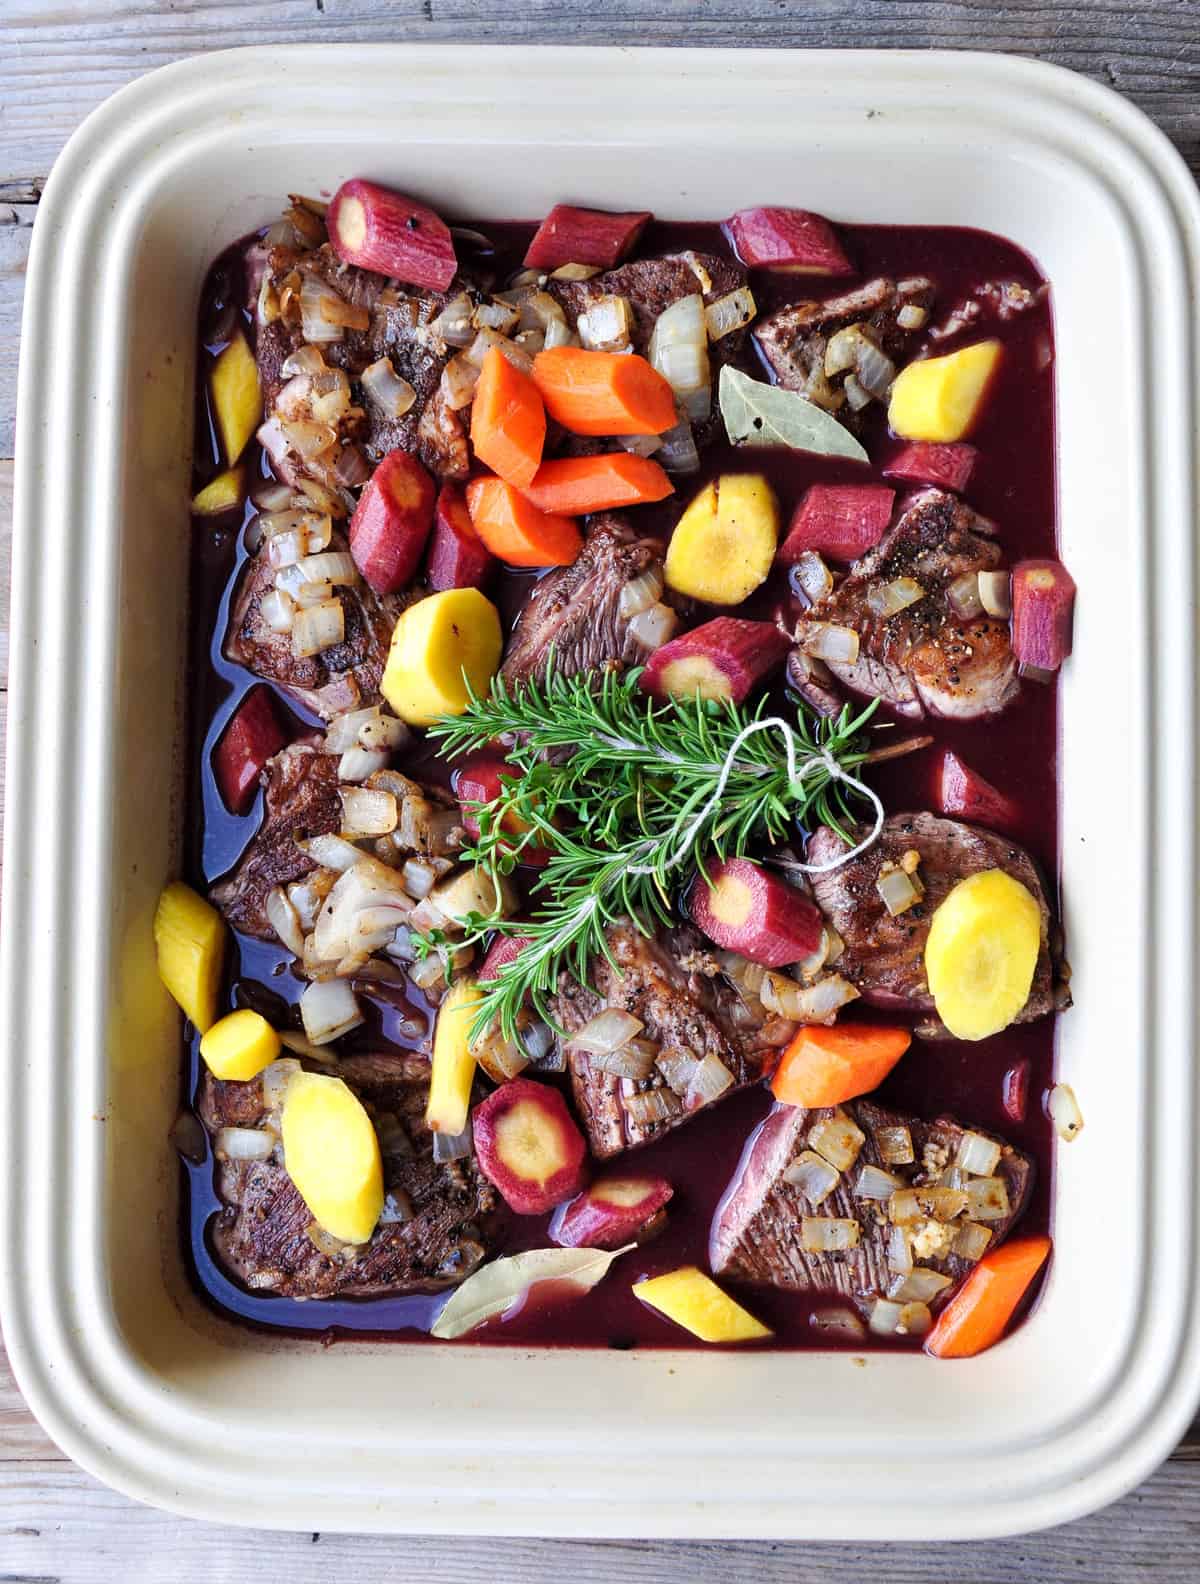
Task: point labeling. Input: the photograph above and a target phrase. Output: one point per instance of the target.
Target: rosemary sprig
(621, 790)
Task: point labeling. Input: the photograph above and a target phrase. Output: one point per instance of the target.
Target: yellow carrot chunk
(332, 1155)
(453, 1070)
(189, 935)
(236, 397)
(240, 1045)
(439, 646)
(695, 1302)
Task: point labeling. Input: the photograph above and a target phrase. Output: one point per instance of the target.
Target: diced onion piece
(641, 592)
(293, 1040)
(428, 972)
(419, 877)
(987, 1199)
(304, 360)
(698, 269)
(840, 350)
(732, 312)
(836, 946)
(812, 1175)
(640, 445)
(459, 379)
(821, 1001)
(971, 1240)
(539, 1043)
(385, 734)
(838, 1322)
(655, 1105)
(307, 594)
(897, 890)
(978, 1154)
(330, 852)
(607, 1031)
(454, 324)
(386, 390)
(500, 1058)
(887, 599)
(317, 627)
(286, 549)
(679, 351)
(678, 453)
(452, 1146)
(329, 1009)
(873, 369)
(912, 316)
(918, 1285)
(569, 272)
(995, 593)
(919, 1204)
(275, 1080)
(828, 1234)
(343, 731)
(895, 1145)
(838, 1139)
(278, 610)
(247, 1144)
(889, 1318)
(829, 641)
(487, 339)
(499, 316)
(964, 598)
(856, 397)
(875, 1183)
(607, 324)
(710, 1080)
(336, 566)
(811, 576)
(677, 1067)
(652, 628)
(629, 1061)
(899, 1251)
(367, 813)
(1064, 1112)
(319, 308)
(953, 1177)
(356, 764)
(284, 920)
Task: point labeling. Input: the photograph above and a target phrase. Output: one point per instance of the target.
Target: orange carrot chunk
(576, 485)
(516, 531)
(978, 1313)
(825, 1066)
(604, 393)
(508, 421)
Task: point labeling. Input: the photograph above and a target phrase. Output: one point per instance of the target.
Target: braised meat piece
(301, 800)
(885, 956)
(924, 657)
(337, 679)
(575, 612)
(652, 285)
(443, 1213)
(757, 1232)
(399, 330)
(673, 985)
(794, 340)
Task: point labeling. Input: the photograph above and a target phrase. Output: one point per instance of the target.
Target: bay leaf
(496, 1287)
(758, 414)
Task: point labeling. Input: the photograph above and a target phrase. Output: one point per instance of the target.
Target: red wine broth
(1013, 484)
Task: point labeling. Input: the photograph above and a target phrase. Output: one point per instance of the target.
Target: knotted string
(797, 772)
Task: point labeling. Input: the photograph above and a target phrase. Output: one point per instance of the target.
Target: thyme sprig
(621, 790)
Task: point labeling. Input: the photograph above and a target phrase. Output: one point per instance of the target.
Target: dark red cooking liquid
(1013, 483)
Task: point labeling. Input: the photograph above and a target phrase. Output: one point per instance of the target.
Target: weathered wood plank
(16, 228)
(22, 1439)
(64, 58)
(58, 1524)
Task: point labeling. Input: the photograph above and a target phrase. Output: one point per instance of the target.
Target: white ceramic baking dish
(124, 1366)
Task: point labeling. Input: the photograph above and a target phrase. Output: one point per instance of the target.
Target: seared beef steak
(794, 339)
(344, 677)
(261, 1234)
(924, 657)
(756, 1233)
(301, 800)
(885, 956)
(673, 985)
(575, 612)
(654, 284)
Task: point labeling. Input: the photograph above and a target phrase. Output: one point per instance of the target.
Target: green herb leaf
(758, 414)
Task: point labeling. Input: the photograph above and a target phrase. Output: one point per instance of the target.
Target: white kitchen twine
(796, 774)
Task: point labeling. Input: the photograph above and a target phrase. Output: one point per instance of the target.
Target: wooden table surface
(57, 60)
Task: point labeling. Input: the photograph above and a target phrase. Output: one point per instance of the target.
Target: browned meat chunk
(794, 340)
(924, 657)
(341, 678)
(885, 956)
(575, 612)
(443, 1212)
(400, 317)
(654, 284)
(301, 800)
(673, 985)
(757, 1235)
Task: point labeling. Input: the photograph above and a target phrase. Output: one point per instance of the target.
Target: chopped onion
(875, 1183)
(781, 994)
(912, 316)
(889, 1318)
(385, 734)
(293, 398)
(386, 390)
(246, 1144)
(897, 890)
(485, 340)
(293, 1040)
(678, 453)
(459, 379)
(813, 1176)
(838, 1322)
(419, 876)
(329, 1009)
(655, 1105)
(828, 641)
(838, 1139)
(899, 1253)
(607, 325)
(679, 351)
(304, 360)
(953, 1177)
(336, 566)
(427, 973)
(652, 628)
(500, 1058)
(820, 1002)
(608, 1031)
(918, 1285)
(500, 316)
(987, 1199)
(963, 596)
(330, 852)
(356, 764)
(570, 272)
(971, 1241)
(641, 592)
(856, 397)
(286, 549)
(307, 439)
(640, 445)
(454, 324)
(873, 369)
(343, 731)
(710, 1080)
(627, 1062)
(887, 599)
(318, 310)
(677, 1067)
(828, 1234)
(278, 610)
(367, 813)
(539, 1043)
(917, 1204)
(1064, 1112)
(840, 350)
(978, 1154)
(995, 593)
(330, 406)
(732, 312)
(811, 577)
(317, 627)
(895, 1145)
(275, 1080)
(284, 920)
(452, 1146)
